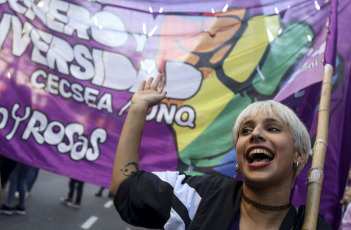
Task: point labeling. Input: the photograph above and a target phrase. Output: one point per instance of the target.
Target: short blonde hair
(298, 130)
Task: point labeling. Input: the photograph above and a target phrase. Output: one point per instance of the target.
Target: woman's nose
(257, 136)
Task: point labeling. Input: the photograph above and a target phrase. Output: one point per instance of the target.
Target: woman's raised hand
(150, 92)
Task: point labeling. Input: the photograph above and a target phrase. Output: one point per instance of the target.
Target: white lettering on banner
(63, 17)
(182, 80)
(18, 119)
(102, 68)
(59, 54)
(54, 85)
(85, 69)
(71, 130)
(36, 125)
(20, 41)
(119, 72)
(54, 133)
(184, 116)
(78, 15)
(54, 18)
(140, 42)
(4, 117)
(4, 27)
(165, 114)
(108, 29)
(112, 70)
(40, 41)
(97, 136)
(67, 139)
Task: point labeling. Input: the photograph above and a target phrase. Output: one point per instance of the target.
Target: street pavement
(44, 210)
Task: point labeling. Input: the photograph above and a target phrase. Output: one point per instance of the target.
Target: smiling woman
(271, 146)
(273, 119)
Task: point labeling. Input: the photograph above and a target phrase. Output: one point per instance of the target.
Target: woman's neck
(253, 217)
(268, 195)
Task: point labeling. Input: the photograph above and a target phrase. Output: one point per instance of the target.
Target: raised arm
(126, 162)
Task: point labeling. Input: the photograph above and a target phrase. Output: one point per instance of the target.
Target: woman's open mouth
(259, 156)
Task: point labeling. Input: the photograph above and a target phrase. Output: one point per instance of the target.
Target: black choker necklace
(271, 208)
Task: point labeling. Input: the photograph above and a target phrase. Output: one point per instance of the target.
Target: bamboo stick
(315, 176)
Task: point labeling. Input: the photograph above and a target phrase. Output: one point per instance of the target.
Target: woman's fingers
(148, 83)
(155, 84)
(142, 86)
(150, 92)
(162, 84)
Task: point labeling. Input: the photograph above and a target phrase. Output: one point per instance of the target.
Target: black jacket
(172, 200)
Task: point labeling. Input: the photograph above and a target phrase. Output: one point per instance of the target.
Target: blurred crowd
(18, 179)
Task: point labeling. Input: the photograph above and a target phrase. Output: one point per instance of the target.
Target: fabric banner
(68, 70)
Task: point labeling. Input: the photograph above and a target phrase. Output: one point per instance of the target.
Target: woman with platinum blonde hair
(298, 130)
(272, 147)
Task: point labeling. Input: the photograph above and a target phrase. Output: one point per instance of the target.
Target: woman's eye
(273, 129)
(246, 131)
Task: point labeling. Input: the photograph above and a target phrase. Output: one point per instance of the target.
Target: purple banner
(69, 69)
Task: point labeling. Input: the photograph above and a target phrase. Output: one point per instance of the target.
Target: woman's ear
(300, 156)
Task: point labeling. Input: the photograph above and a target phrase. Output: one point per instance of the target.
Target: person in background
(347, 195)
(100, 192)
(0, 188)
(17, 180)
(346, 219)
(6, 167)
(271, 149)
(346, 202)
(31, 178)
(74, 185)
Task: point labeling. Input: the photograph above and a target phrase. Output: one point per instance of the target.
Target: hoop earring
(296, 166)
(237, 170)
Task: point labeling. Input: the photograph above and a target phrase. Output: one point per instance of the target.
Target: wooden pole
(315, 176)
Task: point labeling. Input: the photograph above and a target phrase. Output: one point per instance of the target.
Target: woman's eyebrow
(248, 122)
(270, 119)
(267, 120)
